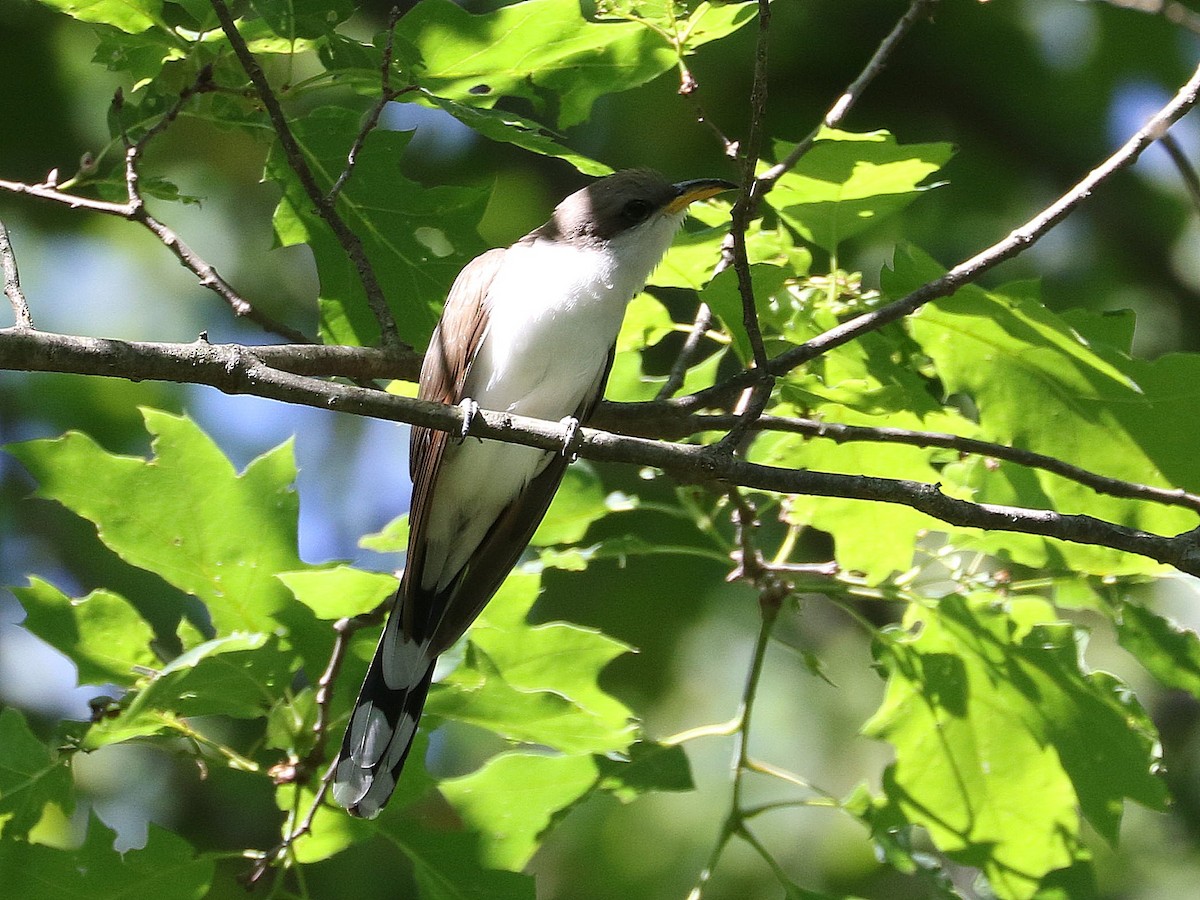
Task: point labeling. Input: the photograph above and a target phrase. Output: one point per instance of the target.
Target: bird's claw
(470, 409)
(570, 443)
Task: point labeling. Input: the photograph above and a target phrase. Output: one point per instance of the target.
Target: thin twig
(344, 629)
(688, 88)
(683, 360)
(12, 282)
(134, 210)
(386, 95)
(971, 269)
(917, 10)
(351, 245)
(1186, 170)
(743, 208)
(734, 822)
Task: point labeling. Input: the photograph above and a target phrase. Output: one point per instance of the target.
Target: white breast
(554, 311)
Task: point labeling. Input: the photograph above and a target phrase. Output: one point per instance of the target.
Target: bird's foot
(470, 409)
(570, 442)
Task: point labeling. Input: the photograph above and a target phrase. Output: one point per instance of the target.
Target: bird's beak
(688, 192)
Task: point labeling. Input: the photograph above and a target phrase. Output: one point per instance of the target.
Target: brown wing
(443, 373)
(466, 596)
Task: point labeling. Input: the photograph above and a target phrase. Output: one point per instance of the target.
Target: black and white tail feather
(384, 722)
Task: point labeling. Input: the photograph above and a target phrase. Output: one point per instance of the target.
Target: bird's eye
(635, 211)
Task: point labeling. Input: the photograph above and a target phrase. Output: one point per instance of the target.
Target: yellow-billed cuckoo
(529, 330)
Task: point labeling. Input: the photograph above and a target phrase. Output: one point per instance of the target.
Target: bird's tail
(383, 723)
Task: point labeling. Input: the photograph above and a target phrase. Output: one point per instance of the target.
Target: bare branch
(844, 434)
(236, 370)
(917, 10)
(386, 95)
(134, 210)
(12, 281)
(683, 360)
(349, 241)
(1186, 170)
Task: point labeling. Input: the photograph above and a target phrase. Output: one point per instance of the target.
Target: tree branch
(969, 270)
(134, 210)
(386, 95)
(389, 336)
(12, 282)
(917, 10)
(1187, 171)
(238, 370)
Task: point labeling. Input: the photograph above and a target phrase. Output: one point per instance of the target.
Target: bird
(531, 330)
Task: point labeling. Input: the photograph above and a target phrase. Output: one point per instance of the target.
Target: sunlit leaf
(993, 721)
(101, 633)
(1039, 386)
(339, 592)
(578, 503)
(535, 684)
(850, 182)
(546, 52)
(132, 16)
(188, 516)
(515, 797)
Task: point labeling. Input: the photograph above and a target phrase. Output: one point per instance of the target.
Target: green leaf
(30, 777)
(515, 798)
(166, 868)
(339, 592)
(392, 539)
(546, 52)
(189, 517)
(142, 56)
(1170, 653)
(1039, 386)
(646, 323)
(993, 722)
(849, 182)
(509, 128)
(725, 299)
(303, 18)
(417, 238)
(578, 503)
(446, 866)
(184, 514)
(101, 633)
(132, 16)
(644, 767)
(536, 684)
(239, 675)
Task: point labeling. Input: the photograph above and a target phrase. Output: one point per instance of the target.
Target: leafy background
(1030, 94)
